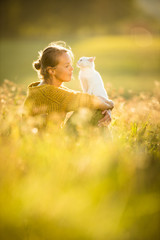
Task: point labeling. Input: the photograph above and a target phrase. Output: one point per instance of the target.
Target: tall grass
(56, 186)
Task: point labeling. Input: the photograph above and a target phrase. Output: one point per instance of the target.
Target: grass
(56, 186)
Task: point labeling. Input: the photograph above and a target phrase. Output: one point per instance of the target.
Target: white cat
(91, 81)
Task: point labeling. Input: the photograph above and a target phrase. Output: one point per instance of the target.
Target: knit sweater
(45, 99)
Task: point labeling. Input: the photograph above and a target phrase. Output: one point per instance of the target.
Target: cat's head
(85, 62)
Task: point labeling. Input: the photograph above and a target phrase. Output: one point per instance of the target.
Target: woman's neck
(54, 81)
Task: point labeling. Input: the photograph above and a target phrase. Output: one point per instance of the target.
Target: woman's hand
(106, 119)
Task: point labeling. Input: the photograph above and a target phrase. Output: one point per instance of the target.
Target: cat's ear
(91, 59)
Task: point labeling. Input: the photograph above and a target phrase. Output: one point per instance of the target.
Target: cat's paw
(110, 104)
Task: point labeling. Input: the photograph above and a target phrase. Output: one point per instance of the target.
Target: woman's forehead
(65, 58)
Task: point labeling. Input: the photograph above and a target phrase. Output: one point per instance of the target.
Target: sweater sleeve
(70, 100)
(73, 101)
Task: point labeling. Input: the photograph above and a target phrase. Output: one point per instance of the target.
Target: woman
(48, 96)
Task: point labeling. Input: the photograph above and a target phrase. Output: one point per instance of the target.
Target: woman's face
(63, 71)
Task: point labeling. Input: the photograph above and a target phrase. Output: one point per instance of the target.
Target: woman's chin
(69, 79)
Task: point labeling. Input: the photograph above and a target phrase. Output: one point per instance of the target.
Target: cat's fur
(91, 81)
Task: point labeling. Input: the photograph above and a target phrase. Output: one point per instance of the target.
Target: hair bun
(37, 65)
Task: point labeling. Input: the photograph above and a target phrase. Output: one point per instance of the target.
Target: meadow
(93, 187)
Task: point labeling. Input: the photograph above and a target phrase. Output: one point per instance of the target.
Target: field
(95, 187)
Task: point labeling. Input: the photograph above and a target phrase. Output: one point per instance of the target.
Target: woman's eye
(69, 66)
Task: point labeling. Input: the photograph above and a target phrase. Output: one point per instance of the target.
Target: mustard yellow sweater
(45, 99)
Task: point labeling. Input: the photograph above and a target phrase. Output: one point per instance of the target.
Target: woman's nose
(72, 68)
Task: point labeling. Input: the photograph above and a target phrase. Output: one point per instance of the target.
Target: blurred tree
(19, 16)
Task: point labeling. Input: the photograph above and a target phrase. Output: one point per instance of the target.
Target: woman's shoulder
(68, 89)
(61, 89)
(39, 86)
(48, 91)
(34, 84)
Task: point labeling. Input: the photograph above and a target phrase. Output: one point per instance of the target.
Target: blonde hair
(49, 57)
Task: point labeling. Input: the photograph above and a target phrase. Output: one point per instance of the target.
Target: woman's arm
(73, 101)
(108, 102)
(70, 100)
(103, 105)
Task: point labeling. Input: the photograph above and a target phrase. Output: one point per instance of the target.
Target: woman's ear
(50, 70)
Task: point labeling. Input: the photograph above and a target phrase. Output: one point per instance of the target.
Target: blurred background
(123, 35)
(53, 185)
